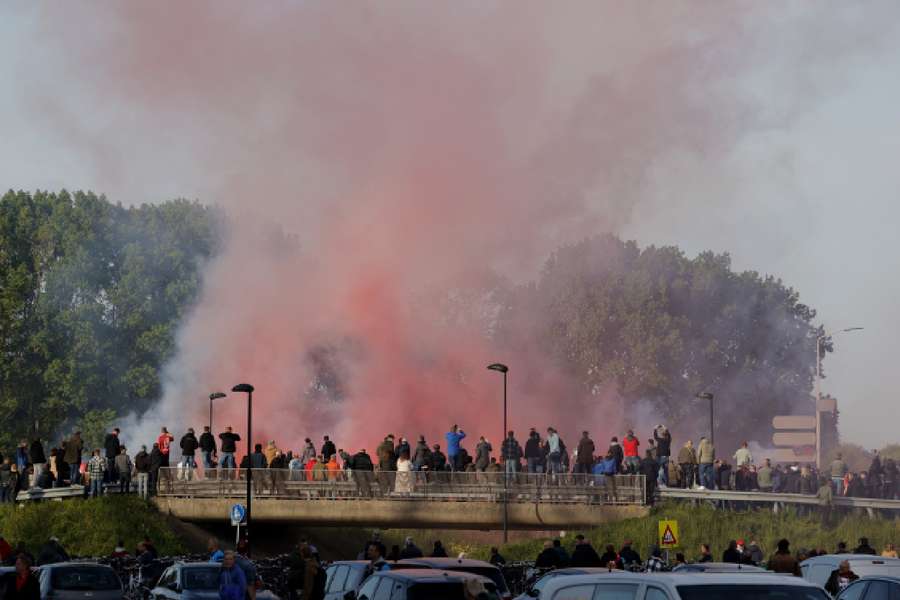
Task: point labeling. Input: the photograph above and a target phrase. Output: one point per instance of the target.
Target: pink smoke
(408, 147)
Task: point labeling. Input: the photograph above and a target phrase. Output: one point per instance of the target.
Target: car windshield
(438, 590)
(540, 583)
(84, 578)
(750, 592)
(490, 572)
(206, 578)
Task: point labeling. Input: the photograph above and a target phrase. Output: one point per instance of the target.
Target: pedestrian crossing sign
(668, 534)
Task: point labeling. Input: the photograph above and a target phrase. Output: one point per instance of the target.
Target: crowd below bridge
(540, 454)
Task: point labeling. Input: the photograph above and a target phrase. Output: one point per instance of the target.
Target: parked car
(344, 576)
(194, 581)
(478, 567)
(534, 589)
(818, 569)
(79, 580)
(418, 584)
(621, 585)
(715, 567)
(875, 587)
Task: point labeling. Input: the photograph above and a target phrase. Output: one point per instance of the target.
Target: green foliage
(654, 327)
(703, 524)
(88, 527)
(90, 296)
(94, 426)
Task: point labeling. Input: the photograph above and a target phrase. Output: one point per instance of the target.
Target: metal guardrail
(777, 498)
(403, 486)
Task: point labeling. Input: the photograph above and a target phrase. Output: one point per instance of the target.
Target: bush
(88, 527)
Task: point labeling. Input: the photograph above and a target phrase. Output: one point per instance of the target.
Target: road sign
(238, 513)
(794, 422)
(789, 455)
(668, 534)
(794, 438)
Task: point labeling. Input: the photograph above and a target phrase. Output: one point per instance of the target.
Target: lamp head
(501, 368)
(216, 395)
(705, 396)
(242, 387)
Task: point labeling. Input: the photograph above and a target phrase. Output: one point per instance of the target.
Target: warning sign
(668, 534)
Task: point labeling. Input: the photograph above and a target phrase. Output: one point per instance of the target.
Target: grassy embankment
(697, 525)
(89, 527)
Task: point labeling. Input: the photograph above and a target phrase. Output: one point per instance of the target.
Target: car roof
(834, 559)
(891, 578)
(719, 566)
(82, 563)
(196, 565)
(431, 575)
(352, 563)
(676, 579)
(447, 562)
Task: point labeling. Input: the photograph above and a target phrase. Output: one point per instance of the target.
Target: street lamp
(712, 426)
(819, 341)
(213, 396)
(501, 368)
(246, 387)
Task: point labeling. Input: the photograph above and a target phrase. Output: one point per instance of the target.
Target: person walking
(142, 472)
(454, 437)
(124, 467)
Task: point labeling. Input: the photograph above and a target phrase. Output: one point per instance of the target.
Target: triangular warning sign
(668, 537)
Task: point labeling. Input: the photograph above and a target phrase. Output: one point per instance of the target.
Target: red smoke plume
(408, 147)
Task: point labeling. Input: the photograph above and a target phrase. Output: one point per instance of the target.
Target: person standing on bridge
(164, 440)
(229, 441)
(142, 472)
(838, 470)
(189, 445)
(207, 450)
(630, 446)
(533, 453)
(511, 453)
(663, 440)
(421, 455)
(482, 454)
(743, 457)
(454, 437)
(328, 448)
(706, 457)
(361, 468)
(687, 458)
(584, 459)
(553, 450)
(617, 453)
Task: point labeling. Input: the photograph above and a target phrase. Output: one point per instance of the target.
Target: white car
(818, 569)
(687, 586)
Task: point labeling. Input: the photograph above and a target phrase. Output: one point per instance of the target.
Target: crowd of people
(690, 466)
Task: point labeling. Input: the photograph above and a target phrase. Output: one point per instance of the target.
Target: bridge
(408, 500)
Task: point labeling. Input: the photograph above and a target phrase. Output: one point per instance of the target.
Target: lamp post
(712, 423)
(213, 396)
(246, 387)
(501, 368)
(819, 341)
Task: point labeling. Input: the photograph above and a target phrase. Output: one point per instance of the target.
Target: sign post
(668, 534)
(238, 516)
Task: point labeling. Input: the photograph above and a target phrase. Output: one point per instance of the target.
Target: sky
(766, 130)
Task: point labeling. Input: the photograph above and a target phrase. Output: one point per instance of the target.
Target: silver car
(195, 581)
(818, 569)
(79, 581)
(688, 586)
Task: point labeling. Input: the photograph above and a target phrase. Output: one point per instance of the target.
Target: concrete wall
(407, 514)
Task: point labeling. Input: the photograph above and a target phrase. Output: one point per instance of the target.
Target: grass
(88, 527)
(700, 524)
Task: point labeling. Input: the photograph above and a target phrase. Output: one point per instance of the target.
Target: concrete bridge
(445, 500)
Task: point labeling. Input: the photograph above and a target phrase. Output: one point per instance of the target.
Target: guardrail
(776, 498)
(401, 486)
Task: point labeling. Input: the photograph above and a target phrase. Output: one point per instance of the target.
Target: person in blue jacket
(454, 437)
(232, 581)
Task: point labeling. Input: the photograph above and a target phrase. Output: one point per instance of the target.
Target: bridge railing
(403, 486)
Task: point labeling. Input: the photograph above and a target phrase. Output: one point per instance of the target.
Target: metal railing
(403, 486)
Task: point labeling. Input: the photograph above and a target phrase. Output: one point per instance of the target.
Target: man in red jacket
(631, 445)
(165, 438)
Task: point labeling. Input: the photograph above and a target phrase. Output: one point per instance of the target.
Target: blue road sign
(238, 514)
